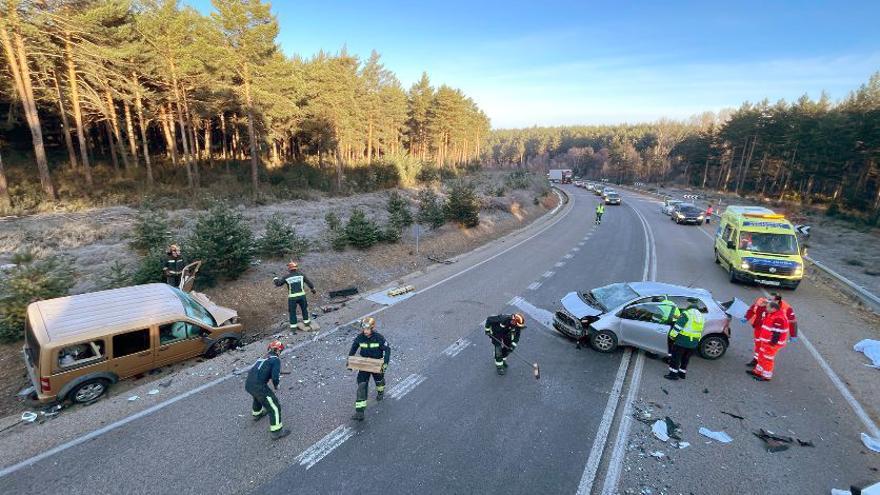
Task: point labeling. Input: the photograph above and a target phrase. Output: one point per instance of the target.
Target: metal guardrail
(868, 298)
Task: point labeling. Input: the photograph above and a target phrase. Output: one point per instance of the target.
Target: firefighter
(296, 284)
(371, 344)
(504, 330)
(774, 336)
(668, 315)
(686, 333)
(265, 402)
(600, 209)
(755, 317)
(173, 267)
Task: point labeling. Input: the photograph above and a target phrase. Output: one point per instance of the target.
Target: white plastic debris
(683, 445)
(718, 436)
(25, 391)
(658, 454)
(871, 349)
(153, 392)
(29, 416)
(871, 442)
(133, 398)
(835, 491)
(660, 430)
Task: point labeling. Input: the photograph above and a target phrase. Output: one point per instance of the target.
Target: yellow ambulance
(757, 245)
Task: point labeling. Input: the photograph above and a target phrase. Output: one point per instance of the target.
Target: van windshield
(763, 242)
(194, 309)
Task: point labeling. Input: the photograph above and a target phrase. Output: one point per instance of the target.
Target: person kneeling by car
(686, 336)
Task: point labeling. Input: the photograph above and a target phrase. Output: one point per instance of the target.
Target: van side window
(728, 233)
(682, 303)
(78, 354)
(125, 344)
(177, 331)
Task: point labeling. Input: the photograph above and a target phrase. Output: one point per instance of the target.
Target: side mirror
(731, 245)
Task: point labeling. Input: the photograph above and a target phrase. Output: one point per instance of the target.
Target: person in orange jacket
(755, 317)
(789, 313)
(773, 337)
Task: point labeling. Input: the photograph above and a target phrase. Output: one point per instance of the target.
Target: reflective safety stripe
(374, 345)
(380, 388)
(693, 329)
(274, 426)
(364, 345)
(361, 404)
(261, 411)
(499, 363)
(295, 284)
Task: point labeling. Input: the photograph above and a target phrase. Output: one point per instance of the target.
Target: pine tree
(223, 242)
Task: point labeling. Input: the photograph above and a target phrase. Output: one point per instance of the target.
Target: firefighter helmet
(518, 320)
(292, 265)
(276, 346)
(368, 322)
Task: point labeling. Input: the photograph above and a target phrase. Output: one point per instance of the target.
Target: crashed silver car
(628, 314)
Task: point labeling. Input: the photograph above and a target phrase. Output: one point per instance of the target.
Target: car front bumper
(567, 325)
(765, 279)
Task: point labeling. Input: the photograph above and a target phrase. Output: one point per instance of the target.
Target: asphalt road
(451, 425)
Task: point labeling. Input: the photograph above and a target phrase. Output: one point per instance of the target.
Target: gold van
(77, 346)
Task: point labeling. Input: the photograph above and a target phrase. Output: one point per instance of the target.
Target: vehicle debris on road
(871, 349)
(774, 442)
(871, 442)
(737, 416)
(660, 430)
(718, 436)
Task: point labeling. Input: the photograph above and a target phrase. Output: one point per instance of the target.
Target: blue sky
(554, 63)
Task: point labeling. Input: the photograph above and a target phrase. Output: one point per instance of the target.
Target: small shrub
(430, 211)
(118, 275)
(391, 233)
(223, 242)
(339, 240)
(399, 213)
(280, 239)
(519, 179)
(428, 174)
(151, 231)
(332, 220)
(30, 280)
(149, 268)
(462, 205)
(362, 233)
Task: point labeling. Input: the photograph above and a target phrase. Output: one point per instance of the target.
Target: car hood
(573, 303)
(221, 315)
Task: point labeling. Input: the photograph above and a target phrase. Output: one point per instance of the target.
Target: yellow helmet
(368, 322)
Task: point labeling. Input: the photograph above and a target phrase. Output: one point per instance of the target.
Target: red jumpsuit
(755, 315)
(789, 314)
(773, 336)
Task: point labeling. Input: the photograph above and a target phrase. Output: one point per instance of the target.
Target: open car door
(188, 276)
(735, 308)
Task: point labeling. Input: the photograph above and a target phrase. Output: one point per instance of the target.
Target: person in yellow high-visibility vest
(296, 284)
(600, 209)
(686, 335)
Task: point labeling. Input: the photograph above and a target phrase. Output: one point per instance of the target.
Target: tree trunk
(236, 139)
(193, 139)
(129, 126)
(17, 60)
(142, 125)
(5, 200)
(209, 145)
(110, 145)
(65, 124)
(223, 143)
(706, 172)
(114, 124)
(255, 178)
(77, 111)
(184, 139)
(168, 131)
(370, 140)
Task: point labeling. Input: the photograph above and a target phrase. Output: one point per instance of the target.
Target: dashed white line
(540, 315)
(406, 386)
(559, 264)
(534, 285)
(575, 249)
(324, 446)
(548, 274)
(581, 243)
(456, 347)
(568, 256)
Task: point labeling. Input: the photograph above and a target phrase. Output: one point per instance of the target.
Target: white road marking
(585, 487)
(568, 256)
(324, 446)
(406, 386)
(575, 249)
(581, 243)
(456, 347)
(534, 285)
(615, 463)
(540, 315)
(559, 264)
(548, 274)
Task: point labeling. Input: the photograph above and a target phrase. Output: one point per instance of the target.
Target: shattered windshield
(613, 295)
(762, 242)
(195, 310)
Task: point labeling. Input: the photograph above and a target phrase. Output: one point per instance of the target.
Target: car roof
(661, 288)
(71, 318)
(686, 205)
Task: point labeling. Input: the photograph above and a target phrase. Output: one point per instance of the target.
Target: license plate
(769, 282)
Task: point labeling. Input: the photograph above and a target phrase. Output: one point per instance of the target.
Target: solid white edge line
(618, 454)
(94, 434)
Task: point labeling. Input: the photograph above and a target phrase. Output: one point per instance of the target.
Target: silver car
(669, 205)
(629, 314)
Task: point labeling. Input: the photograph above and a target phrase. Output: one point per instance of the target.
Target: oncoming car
(629, 314)
(612, 198)
(688, 213)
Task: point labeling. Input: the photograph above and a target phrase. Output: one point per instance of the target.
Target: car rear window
(683, 304)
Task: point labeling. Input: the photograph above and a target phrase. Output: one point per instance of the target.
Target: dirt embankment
(99, 238)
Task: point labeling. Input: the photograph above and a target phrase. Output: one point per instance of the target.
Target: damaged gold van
(77, 346)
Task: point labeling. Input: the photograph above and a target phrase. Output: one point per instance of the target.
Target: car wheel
(221, 346)
(732, 276)
(717, 260)
(89, 391)
(713, 347)
(604, 341)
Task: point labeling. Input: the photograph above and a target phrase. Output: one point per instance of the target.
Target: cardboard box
(365, 364)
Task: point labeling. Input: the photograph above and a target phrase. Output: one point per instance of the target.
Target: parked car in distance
(77, 346)
(628, 313)
(688, 213)
(578, 183)
(669, 205)
(612, 198)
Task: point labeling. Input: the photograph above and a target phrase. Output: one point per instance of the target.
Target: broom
(536, 370)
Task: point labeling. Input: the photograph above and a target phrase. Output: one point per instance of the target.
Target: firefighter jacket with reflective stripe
(265, 369)
(669, 312)
(296, 283)
(775, 329)
(175, 265)
(789, 315)
(688, 329)
(499, 326)
(373, 346)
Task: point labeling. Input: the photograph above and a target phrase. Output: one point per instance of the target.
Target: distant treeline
(807, 151)
(150, 87)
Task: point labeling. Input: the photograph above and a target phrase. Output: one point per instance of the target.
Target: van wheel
(604, 341)
(221, 346)
(717, 260)
(732, 276)
(713, 347)
(88, 391)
